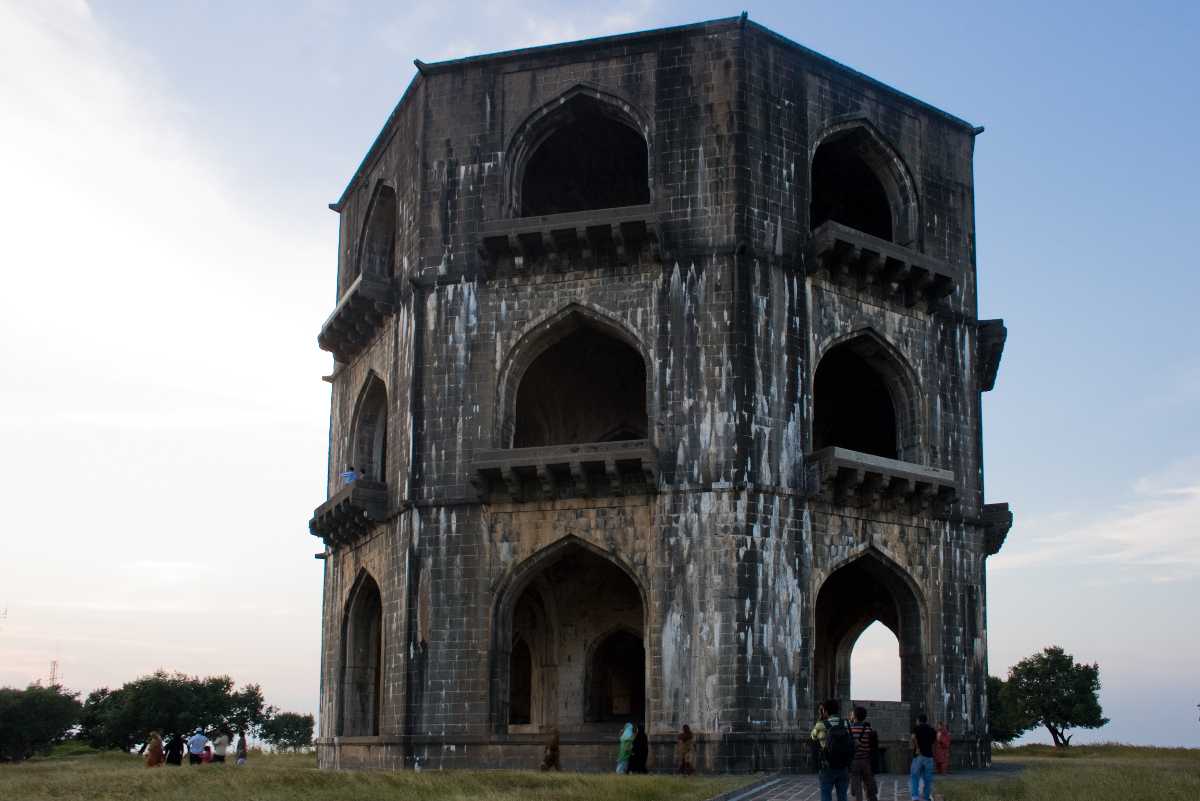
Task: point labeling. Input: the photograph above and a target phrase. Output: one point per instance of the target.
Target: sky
(168, 257)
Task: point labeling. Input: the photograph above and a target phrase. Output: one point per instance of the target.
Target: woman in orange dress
(941, 749)
(154, 751)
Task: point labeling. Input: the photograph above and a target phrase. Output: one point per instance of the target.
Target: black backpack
(839, 745)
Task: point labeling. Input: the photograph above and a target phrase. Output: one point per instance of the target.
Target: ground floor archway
(361, 661)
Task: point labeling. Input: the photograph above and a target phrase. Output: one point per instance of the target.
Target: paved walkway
(892, 787)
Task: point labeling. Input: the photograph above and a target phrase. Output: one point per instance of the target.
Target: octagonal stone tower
(658, 366)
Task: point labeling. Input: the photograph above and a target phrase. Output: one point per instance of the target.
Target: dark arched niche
(587, 157)
(852, 406)
(362, 661)
(369, 438)
(859, 181)
(588, 386)
(869, 588)
(379, 236)
(617, 678)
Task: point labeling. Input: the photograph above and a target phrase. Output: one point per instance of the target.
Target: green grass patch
(1105, 772)
(294, 777)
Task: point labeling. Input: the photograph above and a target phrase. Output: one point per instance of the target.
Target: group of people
(633, 751)
(847, 752)
(200, 750)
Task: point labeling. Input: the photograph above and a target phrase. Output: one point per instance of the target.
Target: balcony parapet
(350, 512)
(997, 520)
(849, 478)
(897, 274)
(582, 470)
(559, 241)
(357, 317)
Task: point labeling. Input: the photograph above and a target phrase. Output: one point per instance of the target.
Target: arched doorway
(852, 406)
(859, 181)
(875, 664)
(869, 588)
(369, 433)
(362, 661)
(581, 617)
(379, 236)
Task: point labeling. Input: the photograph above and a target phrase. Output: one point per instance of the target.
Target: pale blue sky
(168, 258)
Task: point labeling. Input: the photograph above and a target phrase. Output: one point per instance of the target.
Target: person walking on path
(921, 772)
(835, 749)
(625, 751)
(866, 743)
(154, 750)
(941, 749)
(683, 752)
(242, 750)
(195, 745)
(175, 748)
(550, 754)
(641, 751)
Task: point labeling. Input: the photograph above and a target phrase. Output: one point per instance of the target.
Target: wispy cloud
(1156, 535)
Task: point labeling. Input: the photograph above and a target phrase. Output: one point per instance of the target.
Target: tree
(1049, 689)
(169, 703)
(34, 719)
(1005, 723)
(288, 730)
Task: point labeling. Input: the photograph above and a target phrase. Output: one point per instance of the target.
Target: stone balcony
(582, 470)
(997, 519)
(849, 478)
(357, 317)
(895, 273)
(558, 241)
(350, 512)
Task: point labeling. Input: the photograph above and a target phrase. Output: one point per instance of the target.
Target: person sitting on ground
(154, 750)
(641, 751)
(921, 771)
(683, 752)
(550, 754)
(866, 743)
(195, 746)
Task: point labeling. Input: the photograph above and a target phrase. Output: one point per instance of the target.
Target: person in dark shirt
(862, 777)
(921, 773)
(174, 749)
(641, 751)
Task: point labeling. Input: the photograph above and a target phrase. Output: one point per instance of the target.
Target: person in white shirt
(220, 746)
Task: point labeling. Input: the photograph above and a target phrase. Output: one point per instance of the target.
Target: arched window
(369, 438)
(859, 181)
(590, 159)
(586, 387)
(853, 407)
(362, 661)
(379, 236)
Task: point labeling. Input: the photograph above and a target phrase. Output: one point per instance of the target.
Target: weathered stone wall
(731, 549)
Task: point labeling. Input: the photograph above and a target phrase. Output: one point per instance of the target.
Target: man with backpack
(866, 743)
(835, 748)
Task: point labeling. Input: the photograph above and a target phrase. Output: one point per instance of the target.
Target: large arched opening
(585, 154)
(867, 590)
(377, 257)
(361, 661)
(571, 644)
(369, 432)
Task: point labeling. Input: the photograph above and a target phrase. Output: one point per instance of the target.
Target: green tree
(288, 730)
(1049, 689)
(34, 719)
(169, 703)
(1005, 723)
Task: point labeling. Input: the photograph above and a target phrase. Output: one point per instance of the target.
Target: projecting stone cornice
(561, 241)
(997, 520)
(357, 317)
(582, 470)
(992, 336)
(849, 478)
(894, 273)
(350, 512)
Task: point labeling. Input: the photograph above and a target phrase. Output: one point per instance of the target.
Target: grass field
(1087, 773)
(118, 777)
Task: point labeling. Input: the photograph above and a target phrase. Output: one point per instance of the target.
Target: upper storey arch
(584, 150)
(377, 247)
(858, 179)
(368, 438)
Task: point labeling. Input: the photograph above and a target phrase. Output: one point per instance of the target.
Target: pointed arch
(361, 659)
(845, 396)
(367, 451)
(868, 585)
(377, 245)
(853, 170)
(592, 328)
(609, 148)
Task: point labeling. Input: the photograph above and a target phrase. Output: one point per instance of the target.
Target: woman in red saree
(941, 749)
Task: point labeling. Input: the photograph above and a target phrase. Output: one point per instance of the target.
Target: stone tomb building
(659, 358)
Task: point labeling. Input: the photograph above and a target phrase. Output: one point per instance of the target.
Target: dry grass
(118, 777)
(1110, 772)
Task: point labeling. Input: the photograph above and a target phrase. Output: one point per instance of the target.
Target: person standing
(941, 748)
(625, 751)
(220, 747)
(242, 750)
(175, 748)
(683, 752)
(835, 749)
(866, 742)
(154, 750)
(195, 746)
(921, 772)
(550, 754)
(641, 751)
